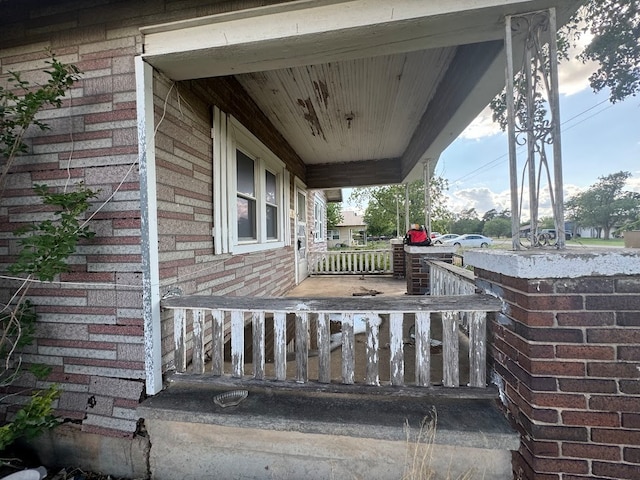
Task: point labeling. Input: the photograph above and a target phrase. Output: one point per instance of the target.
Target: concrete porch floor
(347, 285)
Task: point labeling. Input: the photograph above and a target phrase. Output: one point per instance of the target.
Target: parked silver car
(443, 238)
(469, 240)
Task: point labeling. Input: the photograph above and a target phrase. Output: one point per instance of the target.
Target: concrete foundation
(276, 434)
(67, 445)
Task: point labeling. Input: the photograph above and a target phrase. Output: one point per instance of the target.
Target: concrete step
(306, 433)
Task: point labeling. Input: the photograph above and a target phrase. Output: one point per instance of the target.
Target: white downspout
(149, 227)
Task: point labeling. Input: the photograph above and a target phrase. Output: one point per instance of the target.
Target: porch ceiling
(365, 92)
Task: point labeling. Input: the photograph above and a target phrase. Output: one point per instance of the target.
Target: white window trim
(230, 135)
(319, 224)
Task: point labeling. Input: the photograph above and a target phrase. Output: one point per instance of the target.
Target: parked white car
(443, 238)
(469, 240)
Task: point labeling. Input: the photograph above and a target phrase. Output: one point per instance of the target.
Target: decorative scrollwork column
(533, 121)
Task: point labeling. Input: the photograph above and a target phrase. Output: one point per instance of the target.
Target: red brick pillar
(417, 271)
(566, 354)
(397, 254)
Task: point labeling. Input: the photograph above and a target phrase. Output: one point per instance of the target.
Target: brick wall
(416, 272)
(568, 352)
(91, 330)
(397, 252)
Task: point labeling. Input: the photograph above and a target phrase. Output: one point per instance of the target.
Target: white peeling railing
(447, 279)
(214, 319)
(350, 262)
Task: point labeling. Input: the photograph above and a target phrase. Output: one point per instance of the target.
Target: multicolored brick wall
(90, 329)
(568, 351)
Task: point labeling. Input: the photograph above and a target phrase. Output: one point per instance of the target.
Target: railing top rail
(418, 303)
(459, 271)
(355, 250)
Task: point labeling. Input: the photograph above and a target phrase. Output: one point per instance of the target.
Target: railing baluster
(450, 349)
(280, 344)
(302, 347)
(396, 345)
(217, 342)
(257, 321)
(477, 349)
(198, 341)
(237, 343)
(324, 348)
(423, 348)
(348, 353)
(373, 350)
(180, 339)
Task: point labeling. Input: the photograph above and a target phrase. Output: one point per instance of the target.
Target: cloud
(482, 126)
(484, 199)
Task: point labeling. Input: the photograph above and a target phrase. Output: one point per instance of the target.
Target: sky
(598, 138)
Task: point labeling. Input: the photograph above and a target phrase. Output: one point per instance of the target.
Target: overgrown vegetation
(44, 247)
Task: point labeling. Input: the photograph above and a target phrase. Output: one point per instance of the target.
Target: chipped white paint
(217, 342)
(396, 344)
(237, 344)
(477, 349)
(423, 348)
(148, 228)
(280, 344)
(257, 319)
(373, 322)
(450, 350)
(571, 263)
(198, 341)
(356, 321)
(348, 353)
(302, 347)
(179, 339)
(347, 262)
(324, 348)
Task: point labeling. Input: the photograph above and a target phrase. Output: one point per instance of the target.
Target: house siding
(90, 329)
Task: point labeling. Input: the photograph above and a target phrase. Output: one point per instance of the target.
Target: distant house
(350, 232)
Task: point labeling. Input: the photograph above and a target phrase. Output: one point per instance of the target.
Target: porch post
(533, 120)
(427, 195)
(148, 228)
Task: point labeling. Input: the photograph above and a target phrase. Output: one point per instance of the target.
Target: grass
(597, 242)
(420, 451)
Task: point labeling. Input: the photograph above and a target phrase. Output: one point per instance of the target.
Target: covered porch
(417, 410)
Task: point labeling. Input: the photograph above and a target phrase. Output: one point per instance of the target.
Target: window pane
(272, 222)
(270, 188)
(246, 219)
(246, 183)
(302, 207)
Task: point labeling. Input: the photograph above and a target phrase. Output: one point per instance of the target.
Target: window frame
(241, 139)
(319, 220)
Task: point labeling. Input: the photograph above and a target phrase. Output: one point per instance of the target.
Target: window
(333, 235)
(249, 191)
(318, 221)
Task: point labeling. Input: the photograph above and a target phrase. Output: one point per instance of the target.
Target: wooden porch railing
(447, 279)
(216, 320)
(350, 262)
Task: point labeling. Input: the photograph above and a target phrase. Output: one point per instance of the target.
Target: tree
(385, 206)
(605, 204)
(467, 221)
(615, 47)
(334, 215)
(497, 227)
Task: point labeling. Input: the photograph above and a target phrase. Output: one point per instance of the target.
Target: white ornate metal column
(533, 121)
